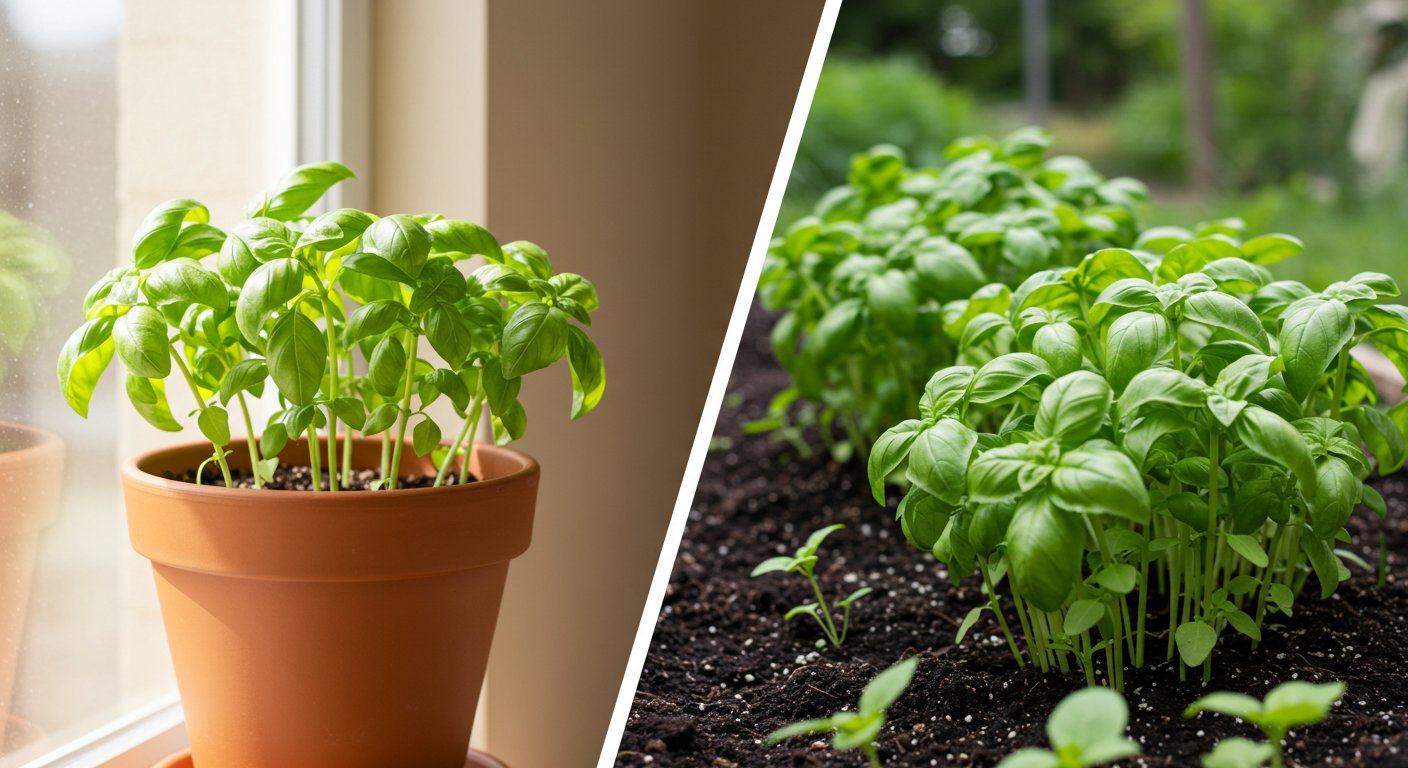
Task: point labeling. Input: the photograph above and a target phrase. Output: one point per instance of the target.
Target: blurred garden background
(1292, 114)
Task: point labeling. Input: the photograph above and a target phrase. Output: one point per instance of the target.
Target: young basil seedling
(859, 729)
(340, 312)
(1086, 729)
(1289, 705)
(804, 561)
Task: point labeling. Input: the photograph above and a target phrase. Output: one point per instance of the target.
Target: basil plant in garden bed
(339, 312)
(1159, 426)
(877, 285)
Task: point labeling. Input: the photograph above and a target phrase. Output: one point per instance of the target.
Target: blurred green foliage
(858, 104)
(1341, 234)
(1285, 76)
(32, 267)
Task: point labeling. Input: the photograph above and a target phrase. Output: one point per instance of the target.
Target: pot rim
(132, 470)
(43, 442)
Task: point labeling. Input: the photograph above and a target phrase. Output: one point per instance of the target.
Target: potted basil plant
(330, 588)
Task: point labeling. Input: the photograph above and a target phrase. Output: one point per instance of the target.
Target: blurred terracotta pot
(323, 630)
(476, 759)
(31, 473)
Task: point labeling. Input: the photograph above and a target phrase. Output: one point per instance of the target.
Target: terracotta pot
(31, 472)
(322, 630)
(476, 759)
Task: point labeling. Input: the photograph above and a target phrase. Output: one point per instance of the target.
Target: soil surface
(297, 478)
(724, 669)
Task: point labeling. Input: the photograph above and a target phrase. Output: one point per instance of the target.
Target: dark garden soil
(294, 478)
(724, 669)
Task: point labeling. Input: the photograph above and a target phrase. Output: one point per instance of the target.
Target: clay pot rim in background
(44, 453)
(43, 445)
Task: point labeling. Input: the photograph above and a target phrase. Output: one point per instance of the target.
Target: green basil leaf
(269, 288)
(1382, 435)
(450, 337)
(334, 229)
(1273, 438)
(1237, 275)
(1059, 345)
(400, 240)
(1074, 407)
(1269, 249)
(511, 425)
(535, 337)
(185, 281)
(889, 452)
(298, 191)
(425, 436)
(1044, 548)
(158, 234)
(500, 391)
(1003, 376)
(298, 357)
(1135, 342)
(82, 361)
(1313, 333)
(1337, 491)
(463, 239)
(891, 300)
(528, 259)
(938, 459)
(214, 423)
(836, 331)
(142, 345)
(1195, 641)
(1164, 386)
(377, 267)
(588, 372)
(380, 419)
(244, 376)
(946, 269)
(1226, 313)
(1096, 480)
(374, 319)
(148, 397)
(350, 411)
(1323, 563)
(274, 438)
(251, 243)
(944, 390)
(1006, 472)
(387, 368)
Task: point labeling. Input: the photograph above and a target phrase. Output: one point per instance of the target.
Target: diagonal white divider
(670, 549)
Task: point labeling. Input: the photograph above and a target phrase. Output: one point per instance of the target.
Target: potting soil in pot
(293, 478)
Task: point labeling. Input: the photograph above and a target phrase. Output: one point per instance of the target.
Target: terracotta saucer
(476, 759)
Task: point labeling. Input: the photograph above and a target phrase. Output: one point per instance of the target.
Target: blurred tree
(1283, 78)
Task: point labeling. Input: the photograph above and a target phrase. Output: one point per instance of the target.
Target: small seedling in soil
(804, 562)
(1289, 705)
(1086, 729)
(857, 730)
(337, 314)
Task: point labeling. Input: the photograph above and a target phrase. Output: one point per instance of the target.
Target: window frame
(321, 112)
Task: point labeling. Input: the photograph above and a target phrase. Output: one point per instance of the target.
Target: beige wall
(635, 141)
